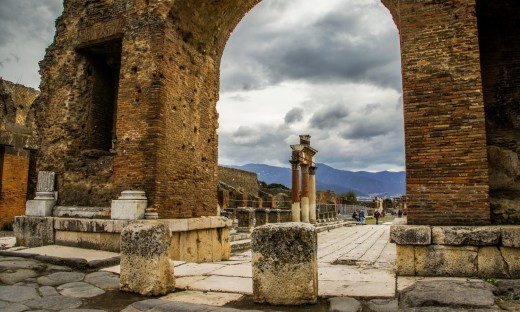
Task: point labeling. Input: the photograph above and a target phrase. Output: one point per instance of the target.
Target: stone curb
(71, 262)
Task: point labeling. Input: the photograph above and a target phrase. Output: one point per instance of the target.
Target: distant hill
(384, 183)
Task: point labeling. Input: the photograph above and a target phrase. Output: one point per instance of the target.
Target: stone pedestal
(274, 216)
(285, 215)
(131, 205)
(145, 265)
(246, 219)
(261, 216)
(285, 265)
(45, 200)
(41, 205)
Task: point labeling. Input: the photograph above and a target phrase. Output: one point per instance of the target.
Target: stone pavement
(355, 269)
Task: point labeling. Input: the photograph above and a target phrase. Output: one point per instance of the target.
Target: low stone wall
(464, 251)
(204, 239)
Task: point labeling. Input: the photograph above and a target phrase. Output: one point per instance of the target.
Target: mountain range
(362, 183)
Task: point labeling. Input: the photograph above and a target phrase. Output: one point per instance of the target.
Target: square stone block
(39, 207)
(466, 235)
(510, 236)
(442, 260)
(34, 231)
(512, 258)
(410, 234)
(126, 209)
(491, 263)
(405, 260)
(285, 265)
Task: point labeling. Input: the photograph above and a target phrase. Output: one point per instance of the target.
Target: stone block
(204, 246)
(174, 252)
(466, 235)
(442, 260)
(491, 263)
(226, 244)
(145, 265)
(285, 215)
(246, 218)
(510, 236)
(274, 216)
(405, 260)
(216, 244)
(39, 207)
(128, 209)
(188, 246)
(34, 231)
(261, 216)
(199, 223)
(66, 238)
(512, 258)
(285, 266)
(410, 234)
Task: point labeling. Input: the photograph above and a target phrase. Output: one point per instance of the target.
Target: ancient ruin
(304, 205)
(129, 90)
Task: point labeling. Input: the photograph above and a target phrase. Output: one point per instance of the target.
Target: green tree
(387, 203)
(350, 197)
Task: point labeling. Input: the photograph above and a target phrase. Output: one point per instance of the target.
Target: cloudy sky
(290, 67)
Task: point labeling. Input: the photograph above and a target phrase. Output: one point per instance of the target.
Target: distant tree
(387, 203)
(350, 197)
(262, 184)
(277, 186)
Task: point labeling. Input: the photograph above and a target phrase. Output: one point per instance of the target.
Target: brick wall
(445, 138)
(13, 194)
(239, 179)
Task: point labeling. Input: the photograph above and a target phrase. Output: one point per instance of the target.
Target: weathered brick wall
(500, 59)
(239, 179)
(445, 139)
(16, 140)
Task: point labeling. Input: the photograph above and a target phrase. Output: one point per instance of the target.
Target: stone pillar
(312, 194)
(261, 216)
(274, 216)
(131, 205)
(305, 194)
(145, 264)
(285, 264)
(45, 199)
(295, 200)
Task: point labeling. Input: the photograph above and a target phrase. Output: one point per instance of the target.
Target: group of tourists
(361, 218)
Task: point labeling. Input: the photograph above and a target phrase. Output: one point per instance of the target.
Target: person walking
(377, 214)
(362, 217)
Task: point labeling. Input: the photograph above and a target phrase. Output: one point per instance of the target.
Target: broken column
(285, 265)
(312, 194)
(145, 266)
(45, 200)
(305, 194)
(295, 199)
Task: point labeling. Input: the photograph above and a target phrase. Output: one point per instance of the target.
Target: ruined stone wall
(500, 59)
(239, 179)
(16, 140)
(445, 138)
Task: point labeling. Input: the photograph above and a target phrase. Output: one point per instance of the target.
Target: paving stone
(448, 293)
(509, 288)
(189, 269)
(54, 303)
(383, 305)
(11, 277)
(238, 270)
(79, 290)
(344, 304)
(225, 283)
(200, 297)
(103, 280)
(48, 291)
(12, 307)
(82, 310)
(17, 293)
(57, 268)
(59, 278)
(22, 263)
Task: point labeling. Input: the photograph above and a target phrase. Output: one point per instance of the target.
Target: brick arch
(165, 121)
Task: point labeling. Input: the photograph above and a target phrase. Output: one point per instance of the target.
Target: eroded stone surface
(104, 280)
(466, 235)
(145, 265)
(410, 235)
(54, 303)
(284, 260)
(448, 293)
(511, 236)
(441, 260)
(344, 304)
(59, 278)
(17, 293)
(79, 290)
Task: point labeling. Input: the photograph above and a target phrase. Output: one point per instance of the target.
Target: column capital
(294, 164)
(312, 170)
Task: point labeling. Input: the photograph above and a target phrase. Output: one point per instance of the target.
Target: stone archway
(164, 131)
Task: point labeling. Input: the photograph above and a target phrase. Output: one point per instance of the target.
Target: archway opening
(333, 72)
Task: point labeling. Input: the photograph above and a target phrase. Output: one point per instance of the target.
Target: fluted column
(312, 194)
(305, 193)
(295, 200)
